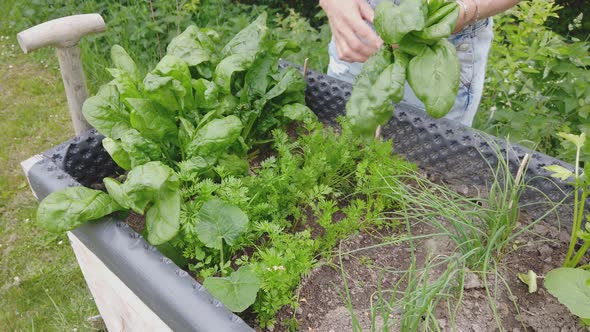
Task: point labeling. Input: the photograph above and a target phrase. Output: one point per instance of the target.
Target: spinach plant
(424, 57)
(200, 109)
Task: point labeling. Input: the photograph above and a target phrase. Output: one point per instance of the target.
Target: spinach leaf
(220, 221)
(233, 165)
(398, 76)
(260, 76)
(215, 136)
(249, 39)
(127, 86)
(171, 66)
(412, 44)
(381, 83)
(442, 28)
(153, 189)
(290, 80)
(434, 76)
(424, 57)
(434, 6)
(230, 65)
(206, 93)
(152, 121)
(67, 209)
(436, 15)
(124, 62)
(297, 112)
(393, 22)
(166, 91)
(189, 47)
(162, 219)
(118, 154)
(228, 105)
(572, 288)
(194, 166)
(140, 149)
(106, 113)
(238, 291)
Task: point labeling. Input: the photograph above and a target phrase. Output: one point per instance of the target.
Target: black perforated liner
(455, 152)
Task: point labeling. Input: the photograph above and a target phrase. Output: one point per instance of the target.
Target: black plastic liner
(456, 152)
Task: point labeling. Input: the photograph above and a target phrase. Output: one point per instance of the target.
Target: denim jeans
(473, 45)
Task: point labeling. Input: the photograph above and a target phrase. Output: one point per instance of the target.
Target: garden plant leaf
(571, 287)
(393, 22)
(238, 291)
(220, 221)
(65, 210)
(189, 48)
(424, 58)
(249, 39)
(434, 76)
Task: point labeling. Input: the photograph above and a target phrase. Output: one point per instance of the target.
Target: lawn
(41, 285)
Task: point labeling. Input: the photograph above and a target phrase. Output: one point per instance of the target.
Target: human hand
(355, 40)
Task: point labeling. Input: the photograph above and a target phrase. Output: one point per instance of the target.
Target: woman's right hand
(354, 38)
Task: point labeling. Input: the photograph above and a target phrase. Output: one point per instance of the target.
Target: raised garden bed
(404, 267)
(183, 304)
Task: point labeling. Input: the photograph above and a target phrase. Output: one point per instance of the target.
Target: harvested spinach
(425, 58)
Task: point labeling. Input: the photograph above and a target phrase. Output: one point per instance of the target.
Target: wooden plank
(119, 307)
(27, 165)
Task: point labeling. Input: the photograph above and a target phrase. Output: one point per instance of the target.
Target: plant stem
(580, 254)
(577, 219)
(222, 262)
(157, 33)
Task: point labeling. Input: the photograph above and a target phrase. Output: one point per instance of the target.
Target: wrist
(468, 14)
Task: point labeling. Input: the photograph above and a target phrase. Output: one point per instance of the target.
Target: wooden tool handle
(62, 32)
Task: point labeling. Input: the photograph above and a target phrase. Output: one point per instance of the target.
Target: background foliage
(144, 28)
(538, 82)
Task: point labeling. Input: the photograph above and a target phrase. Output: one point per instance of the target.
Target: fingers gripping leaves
(424, 57)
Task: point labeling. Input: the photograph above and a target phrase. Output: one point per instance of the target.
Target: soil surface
(322, 297)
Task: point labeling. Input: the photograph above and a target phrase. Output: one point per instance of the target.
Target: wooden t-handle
(61, 33)
(64, 34)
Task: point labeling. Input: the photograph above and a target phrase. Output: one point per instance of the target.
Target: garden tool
(64, 34)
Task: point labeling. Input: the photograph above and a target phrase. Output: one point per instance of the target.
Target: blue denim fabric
(473, 45)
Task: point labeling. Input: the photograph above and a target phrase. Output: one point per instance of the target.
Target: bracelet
(476, 2)
(465, 10)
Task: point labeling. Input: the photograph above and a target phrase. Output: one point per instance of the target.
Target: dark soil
(322, 305)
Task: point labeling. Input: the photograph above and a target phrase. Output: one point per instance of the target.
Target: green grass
(41, 286)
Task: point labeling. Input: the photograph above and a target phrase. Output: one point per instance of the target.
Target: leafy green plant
(64, 210)
(536, 81)
(238, 291)
(571, 287)
(425, 58)
(177, 116)
(581, 182)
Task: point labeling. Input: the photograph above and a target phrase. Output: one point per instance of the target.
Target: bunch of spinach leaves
(424, 57)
